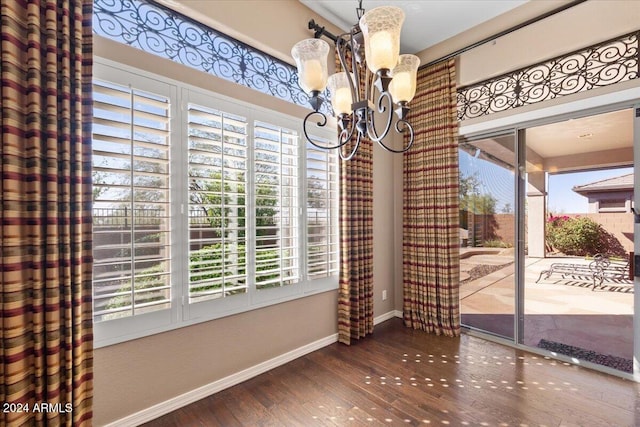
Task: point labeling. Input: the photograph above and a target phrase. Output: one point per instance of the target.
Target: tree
(471, 198)
(207, 195)
(266, 208)
(98, 181)
(575, 236)
(484, 204)
(316, 193)
(468, 185)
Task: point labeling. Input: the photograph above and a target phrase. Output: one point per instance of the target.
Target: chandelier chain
(359, 10)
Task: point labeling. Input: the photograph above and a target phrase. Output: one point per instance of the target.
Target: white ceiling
(427, 22)
(592, 142)
(607, 131)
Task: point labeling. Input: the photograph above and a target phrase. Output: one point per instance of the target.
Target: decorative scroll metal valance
(161, 31)
(604, 64)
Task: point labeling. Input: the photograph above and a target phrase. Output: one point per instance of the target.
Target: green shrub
(496, 244)
(149, 278)
(208, 265)
(576, 236)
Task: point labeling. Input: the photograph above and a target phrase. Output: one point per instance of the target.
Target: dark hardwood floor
(403, 377)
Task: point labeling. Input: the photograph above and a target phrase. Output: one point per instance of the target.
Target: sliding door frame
(518, 315)
(520, 177)
(636, 242)
(518, 124)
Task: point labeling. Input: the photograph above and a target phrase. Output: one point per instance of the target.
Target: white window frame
(181, 313)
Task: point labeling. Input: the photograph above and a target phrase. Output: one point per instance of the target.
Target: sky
(494, 180)
(563, 200)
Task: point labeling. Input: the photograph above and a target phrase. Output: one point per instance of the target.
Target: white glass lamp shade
(381, 29)
(403, 84)
(311, 59)
(341, 99)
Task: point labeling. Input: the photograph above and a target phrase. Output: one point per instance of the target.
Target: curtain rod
(505, 32)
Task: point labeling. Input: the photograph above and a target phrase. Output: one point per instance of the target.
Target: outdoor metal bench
(601, 269)
(574, 271)
(608, 270)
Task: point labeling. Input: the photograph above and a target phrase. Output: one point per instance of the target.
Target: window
(199, 211)
(612, 205)
(276, 196)
(132, 273)
(322, 212)
(217, 204)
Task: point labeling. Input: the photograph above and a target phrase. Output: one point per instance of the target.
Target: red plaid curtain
(355, 300)
(431, 225)
(46, 338)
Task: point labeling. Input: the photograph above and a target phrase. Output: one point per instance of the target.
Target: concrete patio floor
(566, 310)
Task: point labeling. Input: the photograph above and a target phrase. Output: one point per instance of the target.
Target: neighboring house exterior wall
(609, 195)
(610, 202)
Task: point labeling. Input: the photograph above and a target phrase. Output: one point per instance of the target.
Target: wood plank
(400, 376)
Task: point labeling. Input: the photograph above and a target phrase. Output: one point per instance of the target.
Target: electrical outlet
(384, 295)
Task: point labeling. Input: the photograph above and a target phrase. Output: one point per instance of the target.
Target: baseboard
(178, 402)
(185, 399)
(386, 316)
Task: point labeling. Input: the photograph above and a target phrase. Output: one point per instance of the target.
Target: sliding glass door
(487, 233)
(547, 237)
(578, 290)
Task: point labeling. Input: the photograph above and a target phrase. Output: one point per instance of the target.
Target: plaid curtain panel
(431, 270)
(355, 299)
(46, 341)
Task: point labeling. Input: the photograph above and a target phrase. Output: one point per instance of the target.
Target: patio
(560, 310)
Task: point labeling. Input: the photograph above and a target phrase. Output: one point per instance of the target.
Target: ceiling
(594, 142)
(584, 135)
(427, 22)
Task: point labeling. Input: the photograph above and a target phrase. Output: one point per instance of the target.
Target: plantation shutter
(203, 206)
(217, 204)
(276, 206)
(131, 214)
(322, 212)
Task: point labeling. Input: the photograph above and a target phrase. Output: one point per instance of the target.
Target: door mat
(619, 363)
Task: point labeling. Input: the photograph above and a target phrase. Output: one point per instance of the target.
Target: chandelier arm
(370, 96)
(371, 122)
(353, 152)
(341, 48)
(321, 123)
(347, 132)
(355, 87)
(369, 79)
(400, 127)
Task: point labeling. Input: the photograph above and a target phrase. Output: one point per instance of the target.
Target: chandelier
(379, 83)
